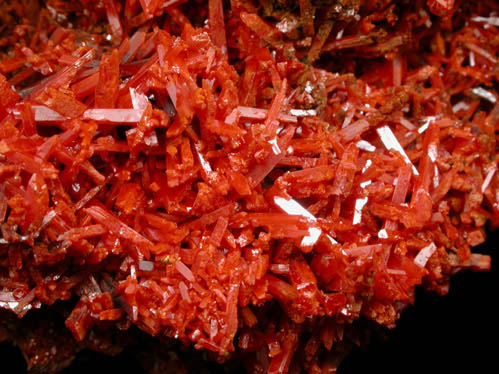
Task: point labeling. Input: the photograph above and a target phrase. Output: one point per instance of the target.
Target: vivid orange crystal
(244, 179)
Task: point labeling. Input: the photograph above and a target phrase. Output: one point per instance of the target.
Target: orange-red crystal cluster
(248, 177)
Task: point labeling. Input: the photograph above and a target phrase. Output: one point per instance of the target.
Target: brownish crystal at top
(248, 177)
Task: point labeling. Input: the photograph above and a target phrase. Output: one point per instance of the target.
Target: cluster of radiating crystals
(248, 177)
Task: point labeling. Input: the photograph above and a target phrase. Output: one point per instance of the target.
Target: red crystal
(244, 177)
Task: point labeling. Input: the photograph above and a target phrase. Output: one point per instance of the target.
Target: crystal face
(244, 178)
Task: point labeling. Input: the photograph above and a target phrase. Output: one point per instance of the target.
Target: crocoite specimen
(189, 167)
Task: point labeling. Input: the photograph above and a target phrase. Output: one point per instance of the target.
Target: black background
(456, 333)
